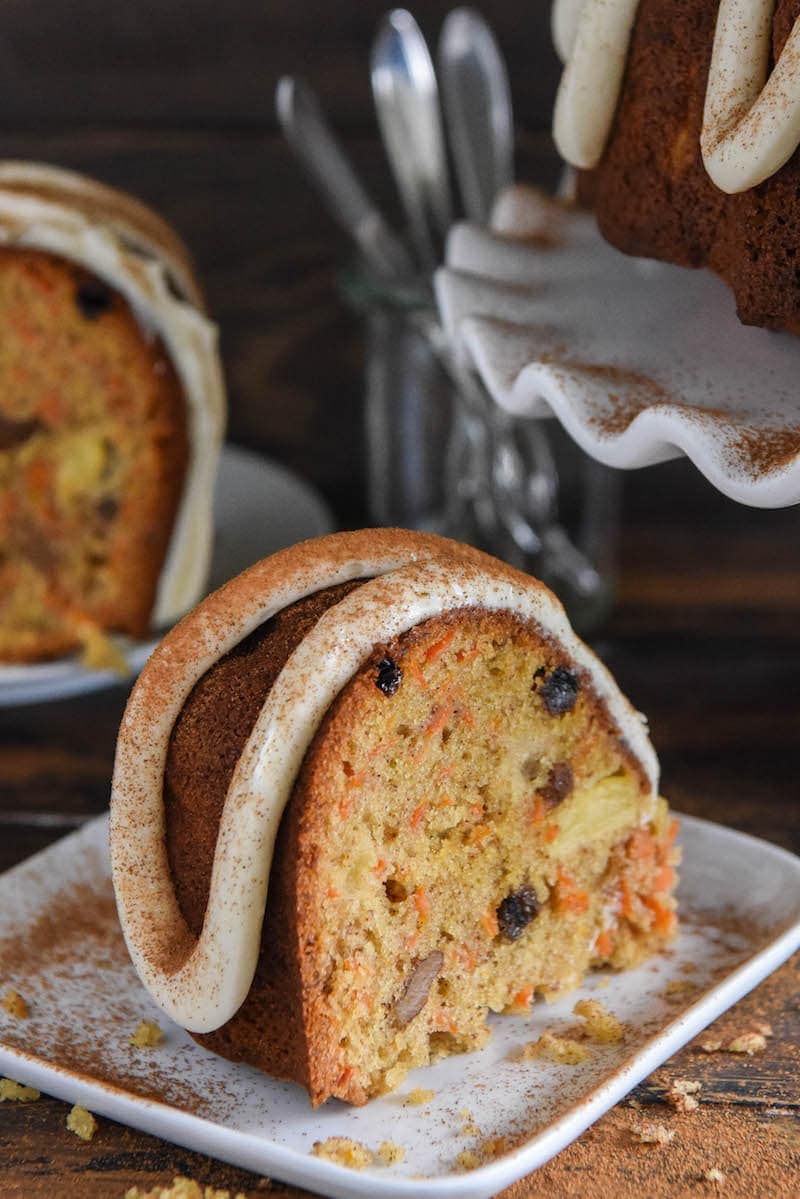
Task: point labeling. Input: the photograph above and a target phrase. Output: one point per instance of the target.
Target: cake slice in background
(111, 417)
(371, 790)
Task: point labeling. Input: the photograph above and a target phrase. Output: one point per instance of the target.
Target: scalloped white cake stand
(640, 361)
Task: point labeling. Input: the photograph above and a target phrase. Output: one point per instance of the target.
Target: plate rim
(291, 1165)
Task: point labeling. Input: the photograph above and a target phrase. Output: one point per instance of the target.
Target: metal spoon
(477, 106)
(314, 143)
(407, 104)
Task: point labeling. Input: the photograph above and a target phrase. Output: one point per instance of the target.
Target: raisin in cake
(371, 790)
(111, 416)
(685, 114)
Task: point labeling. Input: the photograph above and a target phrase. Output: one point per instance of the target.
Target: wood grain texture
(204, 64)
(174, 102)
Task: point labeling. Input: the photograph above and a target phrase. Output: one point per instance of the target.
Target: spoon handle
(313, 142)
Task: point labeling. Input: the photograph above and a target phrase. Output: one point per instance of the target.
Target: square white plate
(61, 947)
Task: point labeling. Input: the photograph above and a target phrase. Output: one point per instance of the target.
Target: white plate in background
(61, 948)
(640, 361)
(259, 507)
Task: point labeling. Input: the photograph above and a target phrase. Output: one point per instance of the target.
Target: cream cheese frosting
(201, 982)
(138, 255)
(751, 122)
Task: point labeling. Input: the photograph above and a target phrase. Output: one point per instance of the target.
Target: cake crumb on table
(714, 1175)
(747, 1042)
(82, 1123)
(391, 1153)
(147, 1035)
(713, 1045)
(182, 1188)
(600, 1025)
(682, 1093)
(678, 987)
(419, 1096)
(468, 1159)
(564, 1051)
(763, 1027)
(649, 1132)
(16, 1092)
(15, 1005)
(344, 1151)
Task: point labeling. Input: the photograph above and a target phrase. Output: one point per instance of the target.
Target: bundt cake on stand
(683, 117)
(111, 418)
(371, 790)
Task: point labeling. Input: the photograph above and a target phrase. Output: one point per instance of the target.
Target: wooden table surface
(705, 636)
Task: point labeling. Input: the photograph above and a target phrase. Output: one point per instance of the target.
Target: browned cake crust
(285, 1026)
(651, 192)
(93, 455)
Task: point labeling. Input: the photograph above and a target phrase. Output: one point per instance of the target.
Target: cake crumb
(391, 1153)
(563, 1050)
(714, 1175)
(678, 987)
(82, 1123)
(15, 1005)
(600, 1025)
(182, 1188)
(418, 1097)
(469, 1128)
(147, 1035)
(16, 1092)
(762, 1027)
(649, 1132)
(468, 1159)
(711, 1046)
(344, 1151)
(682, 1095)
(747, 1042)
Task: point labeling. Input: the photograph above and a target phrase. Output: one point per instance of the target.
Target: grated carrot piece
(380, 867)
(479, 834)
(422, 903)
(673, 828)
(418, 815)
(445, 801)
(345, 804)
(604, 945)
(333, 893)
(346, 1076)
(641, 845)
(467, 717)
(664, 879)
(489, 922)
(438, 648)
(411, 943)
(356, 780)
(522, 1000)
(626, 904)
(538, 810)
(569, 897)
(550, 833)
(439, 718)
(467, 655)
(413, 668)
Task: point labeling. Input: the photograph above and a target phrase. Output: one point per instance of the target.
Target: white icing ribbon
(201, 983)
(751, 124)
(595, 37)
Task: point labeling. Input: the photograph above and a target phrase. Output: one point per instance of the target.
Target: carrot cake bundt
(371, 790)
(685, 116)
(111, 416)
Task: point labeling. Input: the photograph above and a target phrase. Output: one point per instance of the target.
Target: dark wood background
(174, 102)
